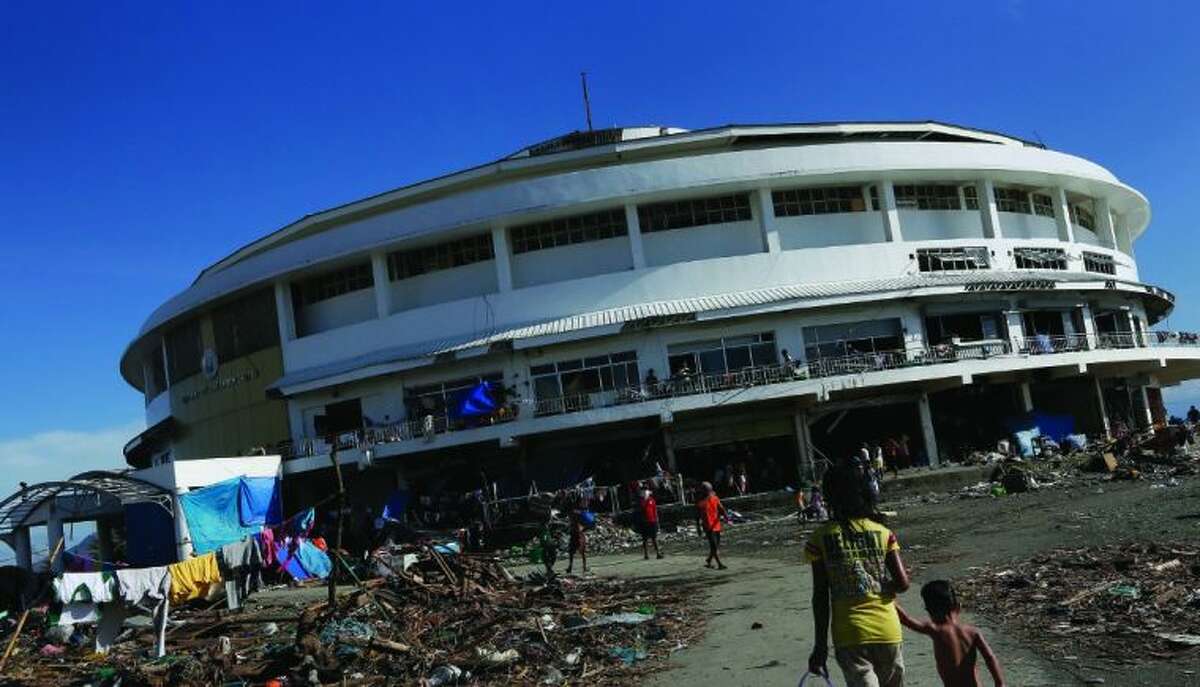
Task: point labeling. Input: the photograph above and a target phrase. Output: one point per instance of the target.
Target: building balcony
(524, 417)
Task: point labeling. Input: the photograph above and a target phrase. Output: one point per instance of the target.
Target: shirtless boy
(956, 645)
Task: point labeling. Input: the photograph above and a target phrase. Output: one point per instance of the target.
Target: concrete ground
(942, 536)
(776, 594)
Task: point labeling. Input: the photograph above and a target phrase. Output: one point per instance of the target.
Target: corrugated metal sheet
(896, 287)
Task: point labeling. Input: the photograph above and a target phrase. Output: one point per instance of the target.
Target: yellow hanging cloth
(192, 578)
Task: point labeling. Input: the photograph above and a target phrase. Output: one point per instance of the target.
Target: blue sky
(139, 142)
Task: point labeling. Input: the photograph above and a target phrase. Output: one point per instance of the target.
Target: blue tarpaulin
(1028, 427)
(214, 513)
(149, 535)
(475, 402)
(258, 501)
(305, 562)
(396, 506)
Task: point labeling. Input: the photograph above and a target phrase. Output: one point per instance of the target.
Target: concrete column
(1147, 414)
(804, 452)
(986, 193)
(162, 349)
(23, 548)
(766, 220)
(1089, 325)
(1016, 329)
(54, 532)
(1103, 408)
(866, 196)
(284, 311)
(914, 333)
(183, 538)
(383, 285)
(1105, 228)
(503, 259)
(634, 225)
(1062, 215)
(1026, 397)
(104, 540)
(927, 433)
(891, 216)
(669, 450)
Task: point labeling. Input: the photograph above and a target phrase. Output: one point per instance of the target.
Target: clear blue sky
(141, 142)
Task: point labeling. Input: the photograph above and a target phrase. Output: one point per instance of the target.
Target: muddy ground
(767, 583)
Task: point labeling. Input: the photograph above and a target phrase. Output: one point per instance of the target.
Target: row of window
(963, 258)
(679, 214)
(595, 226)
(696, 212)
(406, 264)
(332, 284)
(241, 327)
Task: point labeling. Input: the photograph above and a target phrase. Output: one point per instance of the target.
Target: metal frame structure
(16, 509)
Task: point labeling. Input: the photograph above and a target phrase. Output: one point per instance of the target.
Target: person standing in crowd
(903, 453)
(891, 455)
(578, 543)
(741, 480)
(857, 572)
(1193, 415)
(709, 514)
(548, 538)
(649, 507)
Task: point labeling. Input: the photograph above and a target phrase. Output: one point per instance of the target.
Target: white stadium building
(599, 302)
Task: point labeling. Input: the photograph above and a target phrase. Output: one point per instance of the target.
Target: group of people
(857, 574)
(891, 454)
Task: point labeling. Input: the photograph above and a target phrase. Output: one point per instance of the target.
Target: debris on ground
(445, 620)
(1117, 603)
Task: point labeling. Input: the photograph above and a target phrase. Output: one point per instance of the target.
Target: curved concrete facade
(641, 245)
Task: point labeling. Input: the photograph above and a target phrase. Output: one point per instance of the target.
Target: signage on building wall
(209, 363)
(1023, 285)
(216, 384)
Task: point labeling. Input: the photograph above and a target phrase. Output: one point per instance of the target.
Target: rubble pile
(430, 619)
(1117, 603)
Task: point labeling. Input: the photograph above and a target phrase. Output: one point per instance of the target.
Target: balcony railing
(427, 427)
(1043, 344)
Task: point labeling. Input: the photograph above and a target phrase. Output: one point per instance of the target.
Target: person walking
(709, 514)
(857, 573)
(581, 519)
(649, 507)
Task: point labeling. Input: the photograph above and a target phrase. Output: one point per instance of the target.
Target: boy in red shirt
(709, 514)
(649, 522)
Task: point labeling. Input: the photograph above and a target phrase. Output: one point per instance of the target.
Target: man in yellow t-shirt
(857, 573)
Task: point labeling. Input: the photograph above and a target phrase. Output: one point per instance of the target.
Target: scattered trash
(1125, 590)
(270, 629)
(552, 676)
(756, 626)
(628, 655)
(1063, 598)
(497, 658)
(573, 657)
(446, 675)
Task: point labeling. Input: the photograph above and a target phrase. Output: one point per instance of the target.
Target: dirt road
(767, 583)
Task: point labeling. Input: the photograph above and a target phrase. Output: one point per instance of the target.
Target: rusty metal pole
(341, 507)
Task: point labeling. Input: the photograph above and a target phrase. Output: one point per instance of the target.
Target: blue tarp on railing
(215, 513)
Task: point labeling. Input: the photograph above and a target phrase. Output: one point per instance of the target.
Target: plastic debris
(447, 675)
(497, 658)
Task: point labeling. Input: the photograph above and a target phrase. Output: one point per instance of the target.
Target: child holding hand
(956, 645)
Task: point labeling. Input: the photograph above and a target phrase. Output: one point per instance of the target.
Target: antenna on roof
(1038, 137)
(587, 104)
